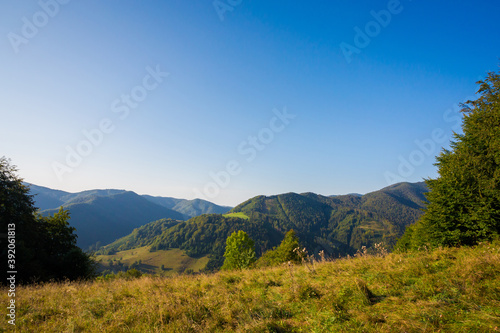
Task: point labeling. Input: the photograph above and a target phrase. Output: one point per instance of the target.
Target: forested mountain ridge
(342, 224)
(386, 202)
(338, 225)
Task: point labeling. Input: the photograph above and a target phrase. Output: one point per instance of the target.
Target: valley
(162, 262)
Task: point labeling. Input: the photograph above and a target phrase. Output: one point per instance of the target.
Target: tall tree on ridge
(464, 201)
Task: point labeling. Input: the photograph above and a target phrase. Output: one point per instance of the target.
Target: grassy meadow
(240, 215)
(444, 290)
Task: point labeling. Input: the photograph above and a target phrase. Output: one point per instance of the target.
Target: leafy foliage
(240, 251)
(464, 201)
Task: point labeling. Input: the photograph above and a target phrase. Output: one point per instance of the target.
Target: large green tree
(240, 251)
(45, 247)
(464, 201)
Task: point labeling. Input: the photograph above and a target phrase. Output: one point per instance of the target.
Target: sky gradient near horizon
(226, 100)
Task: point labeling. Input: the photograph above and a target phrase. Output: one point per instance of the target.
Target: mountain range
(338, 225)
(102, 216)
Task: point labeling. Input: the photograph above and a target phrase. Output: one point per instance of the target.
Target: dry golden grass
(445, 290)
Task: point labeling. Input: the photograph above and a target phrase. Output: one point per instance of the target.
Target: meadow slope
(444, 290)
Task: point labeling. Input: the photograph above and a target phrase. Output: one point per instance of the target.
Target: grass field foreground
(444, 290)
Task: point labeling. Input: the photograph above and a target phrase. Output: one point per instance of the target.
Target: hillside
(162, 262)
(445, 290)
(200, 236)
(46, 198)
(338, 225)
(140, 237)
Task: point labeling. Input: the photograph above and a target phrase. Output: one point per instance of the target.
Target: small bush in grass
(133, 273)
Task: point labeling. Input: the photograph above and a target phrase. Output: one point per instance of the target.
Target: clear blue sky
(360, 101)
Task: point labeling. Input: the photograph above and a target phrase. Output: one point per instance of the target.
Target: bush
(240, 251)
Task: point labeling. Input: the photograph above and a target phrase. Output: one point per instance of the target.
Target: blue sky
(230, 99)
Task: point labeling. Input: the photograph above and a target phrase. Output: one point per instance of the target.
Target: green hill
(341, 225)
(140, 237)
(47, 198)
